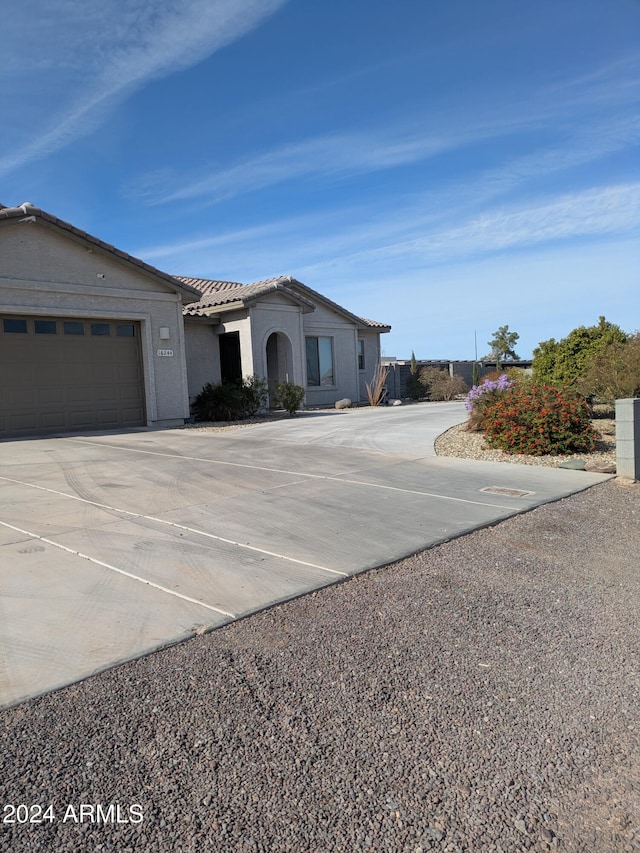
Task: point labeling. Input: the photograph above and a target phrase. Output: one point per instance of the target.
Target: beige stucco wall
(277, 315)
(203, 355)
(327, 323)
(46, 272)
(371, 357)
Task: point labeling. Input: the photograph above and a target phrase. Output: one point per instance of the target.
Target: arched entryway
(279, 362)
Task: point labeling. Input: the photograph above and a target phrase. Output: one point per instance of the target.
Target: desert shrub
(493, 376)
(614, 372)
(289, 396)
(440, 385)
(480, 397)
(538, 420)
(518, 374)
(230, 401)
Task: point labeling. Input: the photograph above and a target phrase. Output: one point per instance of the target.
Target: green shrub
(563, 362)
(539, 419)
(289, 396)
(230, 401)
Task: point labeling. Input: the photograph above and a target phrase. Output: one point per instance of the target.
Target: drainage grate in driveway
(503, 490)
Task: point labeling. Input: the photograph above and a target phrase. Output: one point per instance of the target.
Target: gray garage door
(62, 374)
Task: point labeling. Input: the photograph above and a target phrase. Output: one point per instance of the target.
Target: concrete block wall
(628, 438)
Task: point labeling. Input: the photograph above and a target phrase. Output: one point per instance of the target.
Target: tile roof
(28, 212)
(219, 293)
(200, 293)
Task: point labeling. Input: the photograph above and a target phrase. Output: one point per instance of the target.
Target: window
(73, 327)
(320, 361)
(125, 330)
(100, 329)
(45, 327)
(14, 325)
(360, 354)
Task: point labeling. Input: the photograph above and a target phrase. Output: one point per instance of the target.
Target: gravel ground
(471, 445)
(480, 696)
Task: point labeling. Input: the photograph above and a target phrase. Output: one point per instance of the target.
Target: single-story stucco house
(93, 338)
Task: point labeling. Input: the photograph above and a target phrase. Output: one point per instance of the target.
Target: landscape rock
(573, 464)
(600, 467)
(345, 403)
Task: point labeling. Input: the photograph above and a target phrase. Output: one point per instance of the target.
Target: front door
(230, 362)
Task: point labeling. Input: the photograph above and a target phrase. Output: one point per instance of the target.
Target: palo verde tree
(502, 345)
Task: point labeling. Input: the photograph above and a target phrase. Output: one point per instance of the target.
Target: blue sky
(445, 166)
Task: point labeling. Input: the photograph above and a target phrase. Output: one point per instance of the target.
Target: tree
(564, 362)
(502, 345)
(614, 372)
(413, 389)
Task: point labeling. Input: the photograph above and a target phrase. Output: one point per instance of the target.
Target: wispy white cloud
(329, 154)
(596, 212)
(571, 140)
(68, 63)
(354, 244)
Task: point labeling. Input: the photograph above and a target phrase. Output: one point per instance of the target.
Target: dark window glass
(319, 361)
(100, 329)
(14, 325)
(71, 327)
(313, 368)
(125, 330)
(45, 327)
(360, 354)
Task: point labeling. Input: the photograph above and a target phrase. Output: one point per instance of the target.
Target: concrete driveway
(114, 545)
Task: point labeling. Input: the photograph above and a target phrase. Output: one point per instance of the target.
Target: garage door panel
(133, 415)
(19, 423)
(51, 396)
(81, 420)
(77, 373)
(128, 373)
(53, 420)
(79, 395)
(107, 416)
(49, 374)
(103, 373)
(20, 397)
(57, 382)
(106, 394)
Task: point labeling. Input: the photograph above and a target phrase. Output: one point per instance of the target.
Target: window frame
(318, 355)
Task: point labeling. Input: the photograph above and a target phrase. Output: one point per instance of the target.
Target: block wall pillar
(628, 438)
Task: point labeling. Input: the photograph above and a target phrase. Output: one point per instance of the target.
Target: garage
(91, 338)
(59, 374)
